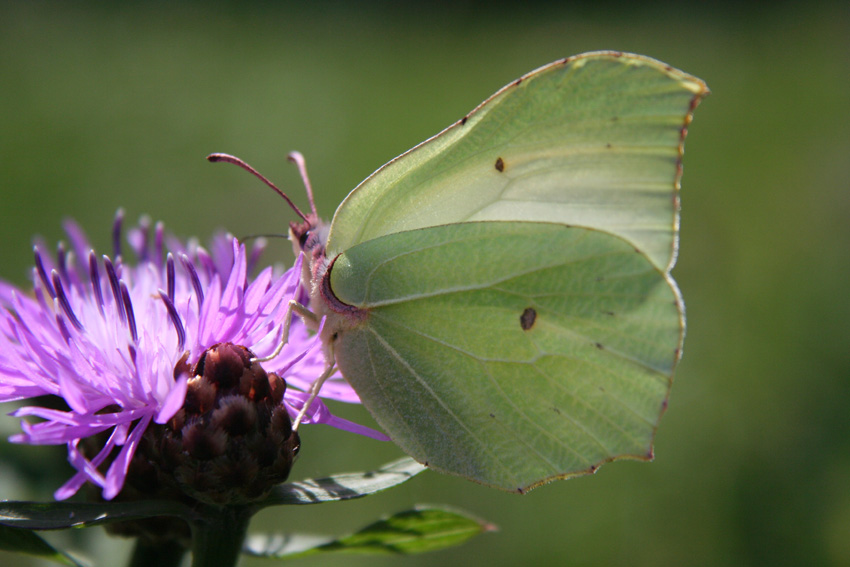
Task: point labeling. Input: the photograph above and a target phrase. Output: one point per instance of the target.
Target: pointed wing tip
(688, 81)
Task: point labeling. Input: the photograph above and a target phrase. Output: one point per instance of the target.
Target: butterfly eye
(303, 238)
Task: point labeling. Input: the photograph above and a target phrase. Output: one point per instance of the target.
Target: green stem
(218, 535)
(145, 554)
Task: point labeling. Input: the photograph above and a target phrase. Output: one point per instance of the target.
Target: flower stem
(218, 535)
(168, 554)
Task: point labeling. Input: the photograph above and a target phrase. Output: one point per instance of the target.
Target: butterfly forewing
(510, 353)
(594, 140)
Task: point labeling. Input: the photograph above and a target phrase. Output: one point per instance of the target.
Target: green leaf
(414, 531)
(17, 540)
(345, 486)
(59, 515)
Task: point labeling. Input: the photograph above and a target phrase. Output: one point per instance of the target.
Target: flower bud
(229, 445)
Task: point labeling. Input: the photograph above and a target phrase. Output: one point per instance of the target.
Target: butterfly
(500, 296)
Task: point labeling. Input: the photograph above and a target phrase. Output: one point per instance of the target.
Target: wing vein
(401, 360)
(531, 362)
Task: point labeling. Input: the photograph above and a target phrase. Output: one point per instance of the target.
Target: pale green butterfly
(499, 296)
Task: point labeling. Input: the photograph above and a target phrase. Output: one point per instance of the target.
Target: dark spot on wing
(526, 320)
(500, 164)
(600, 346)
(493, 415)
(463, 120)
(556, 410)
(517, 82)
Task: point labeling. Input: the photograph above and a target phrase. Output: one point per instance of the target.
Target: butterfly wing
(510, 353)
(594, 140)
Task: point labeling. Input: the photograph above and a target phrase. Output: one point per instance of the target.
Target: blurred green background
(106, 105)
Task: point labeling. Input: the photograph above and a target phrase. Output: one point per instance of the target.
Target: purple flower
(105, 337)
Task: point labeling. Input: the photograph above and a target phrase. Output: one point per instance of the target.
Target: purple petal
(319, 413)
(118, 469)
(173, 401)
(206, 326)
(95, 350)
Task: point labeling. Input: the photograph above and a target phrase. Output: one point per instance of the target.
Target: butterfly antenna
(298, 160)
(227, 158)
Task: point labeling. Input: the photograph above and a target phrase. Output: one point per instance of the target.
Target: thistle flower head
(119, 345)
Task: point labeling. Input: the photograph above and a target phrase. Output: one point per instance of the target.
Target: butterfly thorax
(309, 238)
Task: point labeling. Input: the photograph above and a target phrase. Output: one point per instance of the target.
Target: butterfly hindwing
(510, 353)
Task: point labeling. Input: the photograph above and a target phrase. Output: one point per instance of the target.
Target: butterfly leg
(315, 388)
(293, 307)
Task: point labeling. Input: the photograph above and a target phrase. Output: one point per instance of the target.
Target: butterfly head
(309, 236)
